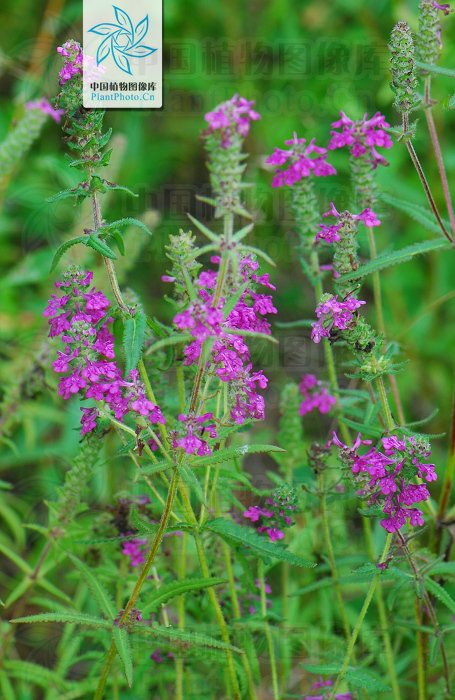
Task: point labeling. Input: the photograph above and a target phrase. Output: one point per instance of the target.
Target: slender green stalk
(382, 612)
(331, 557)
(268, 632)
(423, 179)
(237, 614)
(450, 471)
(181, 568)
(360, 619)
(390, 424)
(140, 582)
(421, 665)
(437, 151)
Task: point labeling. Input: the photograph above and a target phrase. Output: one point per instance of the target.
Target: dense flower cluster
(275, 516)
(327, 694)
(72, 52)
(190, 437)
(334, 314)
(388, 476)
(301, 160)
(80, 317)
(362, 137)
(230, 117)
(330, 233)
(229, 354)
(46, 108)
(316, 396)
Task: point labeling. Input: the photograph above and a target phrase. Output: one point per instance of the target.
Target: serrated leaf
(123, 646)
(33, 674)
(440, 593)
(63, 248)
(397, 257)
(100, 247)
(229, 453)
(233, 532)
(133, 339)
(420, 214)
(203, 229)
(190, 479)
(185, 638)
(360, 678)
(105, 602)
(68, 617)
(127, 221)
(177, 588)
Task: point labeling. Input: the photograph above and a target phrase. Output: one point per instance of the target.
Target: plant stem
(437, 151)
(237, 614)
(140, 582)
(328, 352)
(268, 632)
(421, 670)
(379, 599)
(224, 630)
(450, 472)
(423, 179)
(181, 567)
(390, 424)
(331, 557)
(360, 619)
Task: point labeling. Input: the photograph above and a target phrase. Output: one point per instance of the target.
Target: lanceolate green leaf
(360, 678)
(203, 229)
(172, 590)
(415, 211)
(64, 247)
(69, 617)
(133, 339)
(184, 638)
(395, 258)
(123, 646)
(229, 453)
(127, 221)
(100, 247)
(233, 532)
(103, 598)
(431, 68)
(440, 593)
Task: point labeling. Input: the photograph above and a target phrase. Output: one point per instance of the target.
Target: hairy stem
(423, 179)
(437, 151)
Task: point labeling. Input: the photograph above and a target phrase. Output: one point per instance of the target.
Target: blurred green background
(302, 62)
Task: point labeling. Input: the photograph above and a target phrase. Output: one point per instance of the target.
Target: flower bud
(403, 67)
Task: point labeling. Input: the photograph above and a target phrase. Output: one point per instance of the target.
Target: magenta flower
(273, 518)
(445, 8)
(330, 233)
(46, 108)
(190, 438)
(321, 683)
(134, 550)
(301, 160)
(230, 355)
(316, 397)
(80, 317)
(362, 137)
(334, 314)
(72, 52)
(387, 476)
(231, 117)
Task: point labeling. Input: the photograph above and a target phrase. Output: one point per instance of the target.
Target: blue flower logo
(122, 40)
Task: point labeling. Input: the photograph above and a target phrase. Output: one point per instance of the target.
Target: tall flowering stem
(404, 85)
